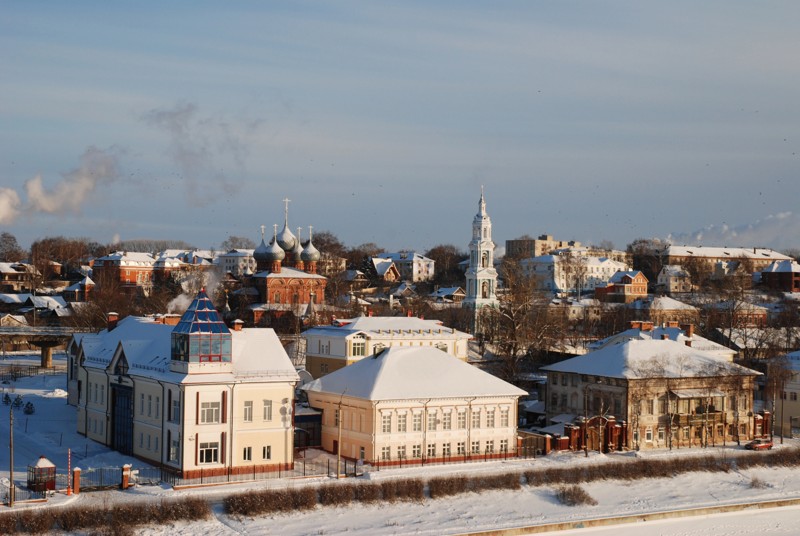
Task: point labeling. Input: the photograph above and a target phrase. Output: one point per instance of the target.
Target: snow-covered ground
(51, 431)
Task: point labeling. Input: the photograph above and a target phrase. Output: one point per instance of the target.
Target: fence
(12, 371)
(480, 457)
(22, 495)
(101, 478)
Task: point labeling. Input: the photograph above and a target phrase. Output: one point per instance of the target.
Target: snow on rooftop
(402, 373)
(636, 359)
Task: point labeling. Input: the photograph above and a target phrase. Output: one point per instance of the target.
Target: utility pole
(339, 440)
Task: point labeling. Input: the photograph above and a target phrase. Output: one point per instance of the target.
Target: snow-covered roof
(620, 275)
(447, 291)
(257, 354)
(47, 302)
(638, 359)
(128, 258)
(85, 282)
(287, 272)
(403, 373)
(661, 303)
(409, 327)
(724, 252)
(406, 256)
(788, 265)
(382, 265)
(18, 299)
(674, 270)
(659, 332)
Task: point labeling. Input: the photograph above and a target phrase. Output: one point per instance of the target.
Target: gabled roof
(287, 272)
(673, 334)
(403, 373)
(619, 276)
(406, 256)
(638, 359)
(382, 265)
(782, 266)
(406, 327)
(724, 252)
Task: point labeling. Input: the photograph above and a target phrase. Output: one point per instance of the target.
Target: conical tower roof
(201, 317)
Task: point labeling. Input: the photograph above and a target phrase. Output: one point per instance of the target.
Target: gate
(101, 478)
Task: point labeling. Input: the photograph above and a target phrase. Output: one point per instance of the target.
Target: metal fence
(101, 478)
(479, 457)
(22, 495)
(12, 371)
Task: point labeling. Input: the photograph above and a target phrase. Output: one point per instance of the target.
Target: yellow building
(412, 405)
(194, 398)
(347, 341)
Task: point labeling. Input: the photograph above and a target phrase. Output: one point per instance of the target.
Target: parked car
(759, 444)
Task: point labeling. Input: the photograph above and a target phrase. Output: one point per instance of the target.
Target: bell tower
(481, 275)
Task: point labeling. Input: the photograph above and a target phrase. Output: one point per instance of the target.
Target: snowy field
(51, 431)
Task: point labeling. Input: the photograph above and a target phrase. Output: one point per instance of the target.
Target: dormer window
(201, 336)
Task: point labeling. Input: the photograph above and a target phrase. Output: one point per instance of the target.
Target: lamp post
(11, 489)
(339, 438)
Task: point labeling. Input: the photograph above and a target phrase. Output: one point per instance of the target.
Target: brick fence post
(126, 476)
(76, 480)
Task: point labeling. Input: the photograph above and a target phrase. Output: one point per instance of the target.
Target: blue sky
(589, 121)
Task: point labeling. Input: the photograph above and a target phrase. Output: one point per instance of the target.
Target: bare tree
(10, 251)
(236, 242)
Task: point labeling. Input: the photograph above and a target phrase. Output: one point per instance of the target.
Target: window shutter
(197, 449)
(197, 409)
(222, 458)
(169, 405)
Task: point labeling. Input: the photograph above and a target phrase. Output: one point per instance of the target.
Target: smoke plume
(777, 231)
(97, 167)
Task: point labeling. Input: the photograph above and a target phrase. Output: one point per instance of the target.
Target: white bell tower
(481, 276)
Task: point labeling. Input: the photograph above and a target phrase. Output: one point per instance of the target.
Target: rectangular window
(648, 435)
(431, 422)
(462, 420)
(651, 410)
(176, 410)
(266, 452)
(157, 413)
(248, 411)
(209, 452)
(504, 418)
(336, 417)
(446, 449)
(386, 423)
(476, 447)
(461, 448)
(660, 433)
(174, 450)
(149, 405)
(386, 453)
(416, 422)
(416, 451)
(247, 454)
(489, 447)
(268, 411)
(490, 415)
(401, 452)
(793, 396)
(686, 432)
(141, 402)
(209, 412)
(359, 348)
(447, 422)
(476, 418)
(504, 445)
(431, 450)
(402, 423)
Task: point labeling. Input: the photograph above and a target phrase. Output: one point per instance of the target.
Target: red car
(759, 444)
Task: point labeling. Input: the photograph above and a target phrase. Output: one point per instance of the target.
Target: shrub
(185, 509)
(574, 496)
(302, 498)
(36, 521)
(757, 483)
(411, 489)
(503, 481)
(367, 492)
(447, 485)
(72, 519)
(336, 494)
(8, 524)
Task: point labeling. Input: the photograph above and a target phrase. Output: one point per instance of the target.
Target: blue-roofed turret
(201, 336)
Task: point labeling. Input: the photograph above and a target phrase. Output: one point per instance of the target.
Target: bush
(447, 485)
(36, 521)
(185, 509)
(368, 492)
(8, 524)
(302, 499)
(757, 483)
(574, 496)
(503, 481)
(336, 494)
(411, 489)
(72, 519)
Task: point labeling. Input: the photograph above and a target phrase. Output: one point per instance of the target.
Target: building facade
(347, 341)
(190, 396)
(415, 405)
(655, 394)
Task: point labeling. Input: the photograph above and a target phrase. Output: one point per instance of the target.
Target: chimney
(408, 314)
(237, 325)
(672, 324)
(635, 324)
(111, 321)
(369, 312)
(647, 326)
(688, 329)
(688, 343)
(664, 336)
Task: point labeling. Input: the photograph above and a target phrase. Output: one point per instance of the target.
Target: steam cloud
(776, 231)
(97, 167)
(196, 144)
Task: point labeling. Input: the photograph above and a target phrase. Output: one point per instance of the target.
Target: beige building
(347, 341)
(787, 406)
(194, 398)
(655, 393)
(415, 405)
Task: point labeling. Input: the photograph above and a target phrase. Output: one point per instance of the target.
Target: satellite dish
(305, 377)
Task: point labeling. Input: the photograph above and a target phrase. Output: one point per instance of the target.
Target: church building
(481, 275)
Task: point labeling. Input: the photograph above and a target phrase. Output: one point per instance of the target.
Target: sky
(600, 121)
